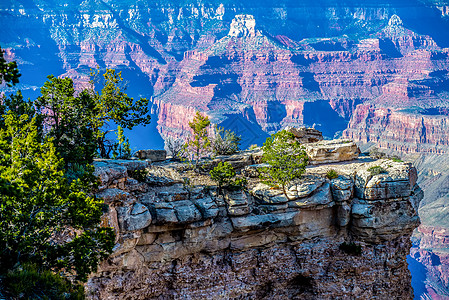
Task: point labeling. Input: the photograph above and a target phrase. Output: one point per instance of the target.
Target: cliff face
(342, 238)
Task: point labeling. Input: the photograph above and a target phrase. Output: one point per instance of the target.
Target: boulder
(152, 155)
(135, 217)
(332, 151)
(305, 135)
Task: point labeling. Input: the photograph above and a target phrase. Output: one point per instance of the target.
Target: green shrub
(225, 177)
(140, 175)
(376, 170)
(200, 142)
(28, 282)
(351, 248)
(121, 148)
(331, 174)
(396, 159)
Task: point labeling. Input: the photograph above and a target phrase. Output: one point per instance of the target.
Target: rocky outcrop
(305, 135)
(176, 238)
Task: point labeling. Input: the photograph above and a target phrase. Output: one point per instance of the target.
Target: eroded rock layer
(325, 239)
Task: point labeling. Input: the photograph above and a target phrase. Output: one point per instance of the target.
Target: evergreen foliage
(286, 158)
(9, 73)
(200, 142)
(331, 174)
(121, 148)
(77, 121)
(44, 218)
(49, 220)
(30, 282)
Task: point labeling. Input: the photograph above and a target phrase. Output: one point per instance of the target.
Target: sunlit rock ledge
(346, 237)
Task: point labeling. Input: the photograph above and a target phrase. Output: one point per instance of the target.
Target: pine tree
(200, 142)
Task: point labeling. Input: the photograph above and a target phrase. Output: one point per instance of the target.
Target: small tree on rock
(286, 158)
(200, 143)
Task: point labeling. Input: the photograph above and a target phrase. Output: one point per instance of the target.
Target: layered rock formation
(273, 66)
(401, 130)
(176, 238)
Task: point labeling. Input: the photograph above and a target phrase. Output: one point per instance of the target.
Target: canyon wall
(342, 238)
(272, 66)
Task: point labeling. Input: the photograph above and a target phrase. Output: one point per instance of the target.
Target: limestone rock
(264, 194)
(253, 171)
(165, 213)
(114, 196)
(305, 135)
(134, 218)
(237, 161)
(373, 222)
(321, 197)
(161, 176)
(108, 172)
(152, 155)
(207, 207)
(332, 151)
(167, 235)
(342, 188)
(343, 214)
(305, 186)
(186, 211)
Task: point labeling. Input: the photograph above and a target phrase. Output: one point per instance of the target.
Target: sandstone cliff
(342, 238)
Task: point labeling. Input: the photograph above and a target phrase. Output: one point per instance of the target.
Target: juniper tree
(45, 218)
(286, 158)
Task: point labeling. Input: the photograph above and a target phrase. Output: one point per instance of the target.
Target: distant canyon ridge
(373, 72)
